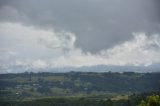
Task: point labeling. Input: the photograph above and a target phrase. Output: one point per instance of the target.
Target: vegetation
(133, 100)
(79, 89)
(153, 100)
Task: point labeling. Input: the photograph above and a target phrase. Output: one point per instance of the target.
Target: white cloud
(39, 64)
(40, 49)
(62, 40)
(140, 50)
(34, 43)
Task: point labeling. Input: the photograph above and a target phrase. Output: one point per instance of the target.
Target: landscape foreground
(80, 89)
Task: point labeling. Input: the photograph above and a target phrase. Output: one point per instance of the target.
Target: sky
(39, 34)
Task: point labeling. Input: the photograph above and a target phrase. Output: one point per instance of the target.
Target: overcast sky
(61, 33)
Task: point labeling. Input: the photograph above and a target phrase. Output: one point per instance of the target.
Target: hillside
(26, 86)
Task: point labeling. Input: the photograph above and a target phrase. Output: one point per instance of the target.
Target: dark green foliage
(153, 100)
(133, 100)
(59, 102)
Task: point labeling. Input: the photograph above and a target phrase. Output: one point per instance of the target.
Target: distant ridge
(97, 68)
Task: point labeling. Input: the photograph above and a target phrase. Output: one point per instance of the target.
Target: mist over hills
(97, 68)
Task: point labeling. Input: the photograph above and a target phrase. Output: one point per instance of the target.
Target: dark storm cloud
(98, 24)
(157, 8)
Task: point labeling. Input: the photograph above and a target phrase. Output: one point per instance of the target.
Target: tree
(153, 100)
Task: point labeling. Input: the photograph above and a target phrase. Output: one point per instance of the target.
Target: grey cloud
(62, 40)
(97, 24)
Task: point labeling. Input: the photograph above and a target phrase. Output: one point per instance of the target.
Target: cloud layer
(43, 34)
(33, 48)
(104, 21)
